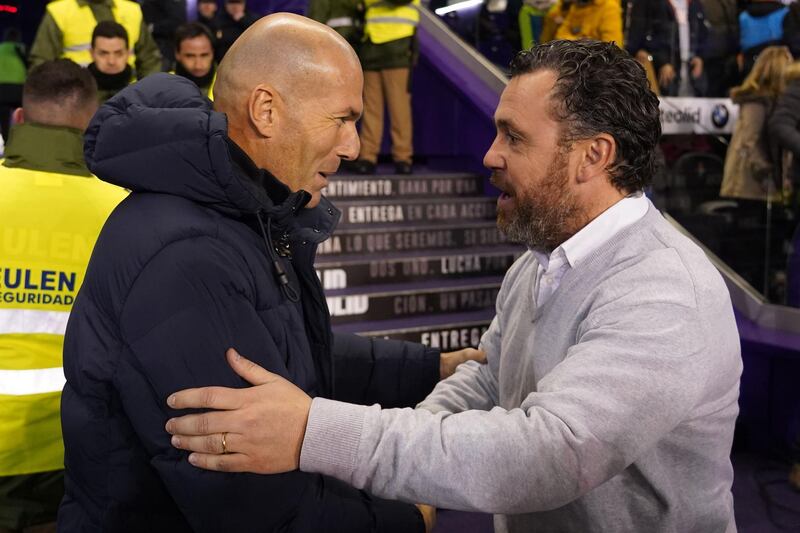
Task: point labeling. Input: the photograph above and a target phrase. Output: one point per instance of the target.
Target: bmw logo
(720, 115)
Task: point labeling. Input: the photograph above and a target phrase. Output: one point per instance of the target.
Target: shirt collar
(596, 233)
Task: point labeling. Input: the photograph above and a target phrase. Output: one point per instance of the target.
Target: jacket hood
(161, 135)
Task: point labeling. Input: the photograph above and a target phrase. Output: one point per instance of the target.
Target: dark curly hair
(600, 88)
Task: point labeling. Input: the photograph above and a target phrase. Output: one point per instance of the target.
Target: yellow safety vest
(50, 224)
(77, 23)
(210, 94)
(384, 22)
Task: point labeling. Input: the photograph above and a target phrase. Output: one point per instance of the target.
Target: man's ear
(599, 153)
(262, 107)
(18, 116)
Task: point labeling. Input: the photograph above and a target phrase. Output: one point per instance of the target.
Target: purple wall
(769, 400)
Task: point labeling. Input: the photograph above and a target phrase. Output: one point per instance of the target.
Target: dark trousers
(29, 503)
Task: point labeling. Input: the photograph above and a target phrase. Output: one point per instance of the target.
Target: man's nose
(492, 157)
(351, 144)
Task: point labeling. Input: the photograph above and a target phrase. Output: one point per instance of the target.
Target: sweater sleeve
(630, 378)
(191, 302)
(475, 386)
(389, 372)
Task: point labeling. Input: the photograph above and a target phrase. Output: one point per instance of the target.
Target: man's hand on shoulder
(256, 429)
(448, 362)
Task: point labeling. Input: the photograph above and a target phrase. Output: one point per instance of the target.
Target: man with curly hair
(610, 395)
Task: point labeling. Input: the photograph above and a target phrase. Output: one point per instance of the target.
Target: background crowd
(701, 48)
(689, 48)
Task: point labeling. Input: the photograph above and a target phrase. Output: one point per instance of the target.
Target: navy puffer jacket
(187, 266)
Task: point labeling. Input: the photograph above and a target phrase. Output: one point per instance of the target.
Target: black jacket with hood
(208, 252)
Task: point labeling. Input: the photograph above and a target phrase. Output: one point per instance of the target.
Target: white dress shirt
(591, 237)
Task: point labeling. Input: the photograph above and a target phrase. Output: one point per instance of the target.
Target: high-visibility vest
(50, 224)
(77, 23)
(384, 22)
(210, 94)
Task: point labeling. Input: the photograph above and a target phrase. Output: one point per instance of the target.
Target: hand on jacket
(448, 362)
(256, 429)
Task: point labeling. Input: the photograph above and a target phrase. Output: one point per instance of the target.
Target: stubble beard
(544, 218)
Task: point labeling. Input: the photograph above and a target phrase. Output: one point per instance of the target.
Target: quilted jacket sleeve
(389, 372)
(190, 302)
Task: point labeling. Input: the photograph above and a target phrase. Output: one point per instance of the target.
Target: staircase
(416, 257)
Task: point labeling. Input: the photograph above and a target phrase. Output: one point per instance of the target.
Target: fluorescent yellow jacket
(600, 20)
(50, 224)
(385, 22)
(208, 92)
(77, 23)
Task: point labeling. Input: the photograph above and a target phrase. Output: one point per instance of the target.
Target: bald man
(214, 249)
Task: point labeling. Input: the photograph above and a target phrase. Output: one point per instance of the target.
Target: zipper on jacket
(280, 274)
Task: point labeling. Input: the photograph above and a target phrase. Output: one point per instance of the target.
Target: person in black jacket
(208, 17)
(784, 127)
(214, 248)
(163, 17)
(231, 23)
(656, 31)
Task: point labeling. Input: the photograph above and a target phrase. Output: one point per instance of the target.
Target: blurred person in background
(750, 167)
(110, 55)
(599, 20)
(163, 17)
(388, 53)
(531, 21)
(791, 29)
(208, 17)
(761, 24)
(194, 56)
(638, 38)
(231, 23)
(344, 16)
(12, 76)
(784, 131)
(67, 26)
(720, 52)
(751, 175)
(53, 209)
(676, 38)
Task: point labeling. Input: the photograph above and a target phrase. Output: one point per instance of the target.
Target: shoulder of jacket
(62, 5)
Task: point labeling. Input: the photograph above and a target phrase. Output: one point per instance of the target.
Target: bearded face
(541, 215)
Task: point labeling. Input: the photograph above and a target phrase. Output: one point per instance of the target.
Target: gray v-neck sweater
(609, 408)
